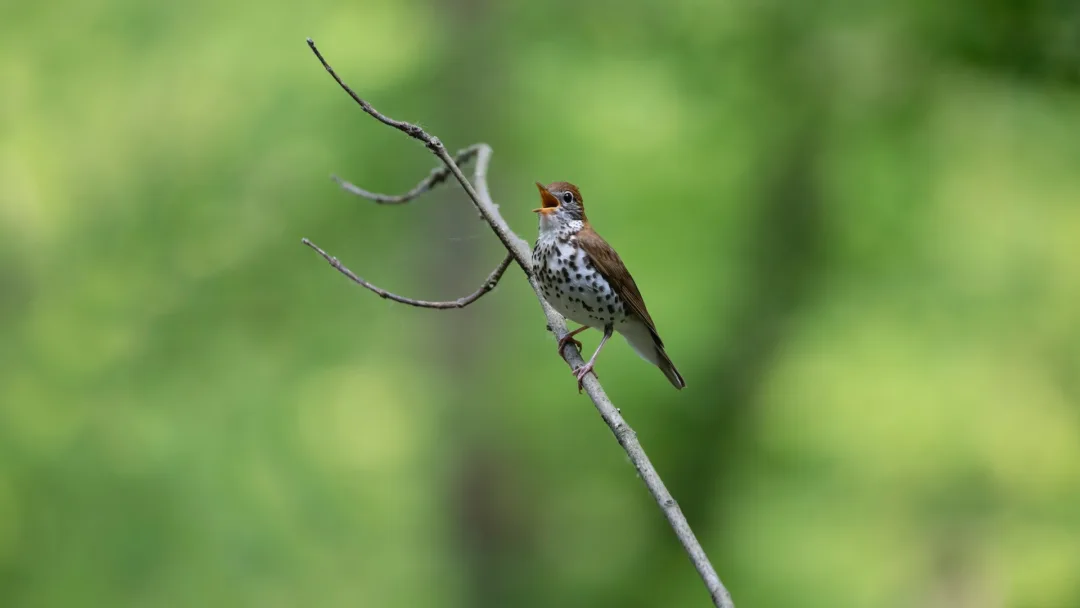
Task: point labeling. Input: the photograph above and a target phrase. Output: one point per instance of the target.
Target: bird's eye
(567, 197)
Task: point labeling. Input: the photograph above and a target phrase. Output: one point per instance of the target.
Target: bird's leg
(569, 338)
(588, 367)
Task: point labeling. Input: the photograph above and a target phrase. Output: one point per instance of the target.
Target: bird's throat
(552, 225)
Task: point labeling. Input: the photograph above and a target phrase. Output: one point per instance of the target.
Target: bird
(583, 278)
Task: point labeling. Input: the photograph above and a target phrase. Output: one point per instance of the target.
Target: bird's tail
(668, 368)
(646, 343)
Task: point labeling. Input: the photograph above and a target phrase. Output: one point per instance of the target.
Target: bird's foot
(581, 372)
(569, 339)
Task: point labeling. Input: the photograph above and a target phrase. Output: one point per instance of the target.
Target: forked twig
(519, 250)
(511, 241)
(437, 176)
(489, 283)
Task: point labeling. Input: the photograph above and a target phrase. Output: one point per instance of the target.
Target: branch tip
(437, 176)
(489, 283)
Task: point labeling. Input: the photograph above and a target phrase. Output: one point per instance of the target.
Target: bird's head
(560, 206)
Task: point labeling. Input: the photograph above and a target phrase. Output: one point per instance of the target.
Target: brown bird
(584, 279)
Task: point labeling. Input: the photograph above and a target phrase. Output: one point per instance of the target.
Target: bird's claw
(569, 339)
(580, 374)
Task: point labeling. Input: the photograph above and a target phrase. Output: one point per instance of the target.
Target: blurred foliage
(857, 226)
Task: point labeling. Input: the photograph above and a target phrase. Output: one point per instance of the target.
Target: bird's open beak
(548, 202)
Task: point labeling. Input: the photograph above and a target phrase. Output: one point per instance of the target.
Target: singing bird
(583, 278)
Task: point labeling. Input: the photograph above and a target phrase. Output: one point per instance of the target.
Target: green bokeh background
(857, 226)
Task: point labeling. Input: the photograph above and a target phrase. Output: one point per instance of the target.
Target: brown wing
(612, 268)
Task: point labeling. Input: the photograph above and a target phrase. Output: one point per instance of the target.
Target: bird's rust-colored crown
(565, 186)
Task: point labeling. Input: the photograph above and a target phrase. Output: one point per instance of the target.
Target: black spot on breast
(610, 308)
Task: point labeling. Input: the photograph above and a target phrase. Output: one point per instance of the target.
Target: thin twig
(511, 241)
(488, 285)
(437, 176)
(519, 249)
(410, 129)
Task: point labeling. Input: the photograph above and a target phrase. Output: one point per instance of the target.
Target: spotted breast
(572, 284)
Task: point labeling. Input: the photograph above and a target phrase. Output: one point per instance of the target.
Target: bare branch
(437, 176)
(511, 241)
(519, 250)
(488, 284)
(409, 129)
